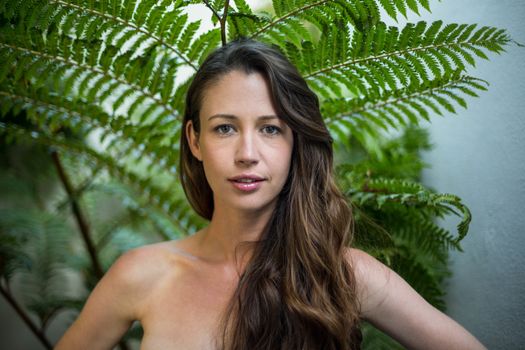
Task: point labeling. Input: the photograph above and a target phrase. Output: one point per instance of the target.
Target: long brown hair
(298, 290)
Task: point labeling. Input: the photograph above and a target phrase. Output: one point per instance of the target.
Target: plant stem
(221, 19)
(223, 22)
(215, 13)
(23, 315)
(82, 223)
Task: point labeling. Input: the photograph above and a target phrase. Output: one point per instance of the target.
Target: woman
(273, 269)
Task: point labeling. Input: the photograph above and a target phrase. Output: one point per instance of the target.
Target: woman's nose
(247, 152)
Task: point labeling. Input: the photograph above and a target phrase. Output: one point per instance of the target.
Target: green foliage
(103, 83)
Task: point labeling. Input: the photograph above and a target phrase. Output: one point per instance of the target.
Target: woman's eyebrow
(234, 117)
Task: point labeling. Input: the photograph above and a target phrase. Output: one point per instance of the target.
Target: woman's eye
(224, 129)
(271, 130)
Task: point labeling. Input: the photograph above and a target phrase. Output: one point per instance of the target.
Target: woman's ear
(193, 140)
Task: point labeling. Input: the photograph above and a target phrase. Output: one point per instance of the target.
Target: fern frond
(56, 113)
(15, 228)
(420, 276)
(40, 240)
(427, 239)
(395, 7)
(406, 57)
(44, 282)
(400, 108)
(96, 79)
(150, 19)
(164, 200)
(141, 211)
(381, 192)
(242, 24)
(321, 13)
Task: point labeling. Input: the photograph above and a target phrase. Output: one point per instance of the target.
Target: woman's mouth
(247, 183)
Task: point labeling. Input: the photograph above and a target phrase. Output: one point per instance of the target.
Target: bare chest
(185, 312)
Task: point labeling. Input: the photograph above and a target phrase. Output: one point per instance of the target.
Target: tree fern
(34, 244)
(103, 82)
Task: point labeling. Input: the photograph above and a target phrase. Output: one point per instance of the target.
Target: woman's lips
(247, 185)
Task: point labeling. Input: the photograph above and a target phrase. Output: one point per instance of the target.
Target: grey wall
(479, 155)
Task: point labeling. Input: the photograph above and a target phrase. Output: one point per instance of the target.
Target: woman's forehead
(238, 94)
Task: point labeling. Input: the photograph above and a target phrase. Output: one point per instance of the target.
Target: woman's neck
(220, 242)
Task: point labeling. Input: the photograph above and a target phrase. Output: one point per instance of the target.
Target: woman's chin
(251, 206)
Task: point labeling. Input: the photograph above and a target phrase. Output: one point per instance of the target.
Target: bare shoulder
(372, 278)
(119, 298)
(135, 276)
(141, 269)
(141, 264)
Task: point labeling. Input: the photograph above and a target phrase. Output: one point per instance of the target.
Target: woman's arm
(111, 308)
(393, 306)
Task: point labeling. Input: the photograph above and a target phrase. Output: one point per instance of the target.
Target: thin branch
(215, 13)
(25, 317)
(79, 216)
(223, 22)
(86, 185)
(82, 224)
(221, 19)
(83, 187)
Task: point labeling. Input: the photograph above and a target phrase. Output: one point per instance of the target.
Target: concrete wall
(480, 156)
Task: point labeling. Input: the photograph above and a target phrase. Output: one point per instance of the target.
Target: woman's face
(244, 147)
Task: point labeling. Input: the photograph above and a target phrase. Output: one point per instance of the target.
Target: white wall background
(480, 156)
